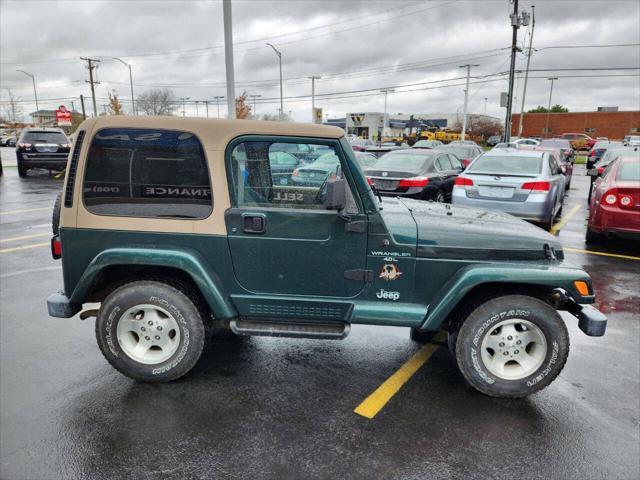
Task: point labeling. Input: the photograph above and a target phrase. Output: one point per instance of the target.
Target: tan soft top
(214, 133)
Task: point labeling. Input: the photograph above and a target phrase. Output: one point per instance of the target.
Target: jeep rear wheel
(512, 346)
(150, 331)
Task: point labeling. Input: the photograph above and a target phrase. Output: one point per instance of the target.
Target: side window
(455, 162)
(282, 175)
(442, 163)
(139, 172)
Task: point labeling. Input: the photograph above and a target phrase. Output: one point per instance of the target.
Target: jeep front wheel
(150, 331)
(512, 346)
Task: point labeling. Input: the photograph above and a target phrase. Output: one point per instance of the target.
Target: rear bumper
(43, 160)
(60, 306)
(535, 210)
(611, 220)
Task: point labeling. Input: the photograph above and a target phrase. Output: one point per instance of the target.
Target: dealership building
(606, 122)
(372, 124)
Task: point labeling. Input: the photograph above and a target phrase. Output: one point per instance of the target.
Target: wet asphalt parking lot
(284, 408)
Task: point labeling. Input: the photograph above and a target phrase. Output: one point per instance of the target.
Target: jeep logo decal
(387, 295)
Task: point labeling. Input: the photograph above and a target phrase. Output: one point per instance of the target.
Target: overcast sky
(356, 46)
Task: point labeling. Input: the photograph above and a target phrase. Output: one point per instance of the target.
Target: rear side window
(137, 172)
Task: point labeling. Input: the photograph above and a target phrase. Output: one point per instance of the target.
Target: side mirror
(336, 196)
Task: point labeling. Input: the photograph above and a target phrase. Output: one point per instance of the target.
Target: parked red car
(614, 210)
(579, 141)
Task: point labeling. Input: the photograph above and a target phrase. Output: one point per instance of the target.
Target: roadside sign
(504, 99)
(63, 116)
(317, 115)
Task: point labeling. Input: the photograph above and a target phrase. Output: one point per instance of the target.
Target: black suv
(42, 148)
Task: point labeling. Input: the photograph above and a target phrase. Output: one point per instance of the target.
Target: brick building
(614, 125)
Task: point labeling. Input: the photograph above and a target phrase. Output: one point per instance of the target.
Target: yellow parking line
(370, 407)
(604, 254)
(25, 210)
(24, 247)
(25, 237)
(563, 221)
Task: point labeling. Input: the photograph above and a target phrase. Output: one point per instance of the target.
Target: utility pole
(35, 94)
(217, 99)
(466, 98)
(84, 113)
(549, 108)
(184, 104)
(516, 22)
(197, 115)
(485, 105)
(386, 91)
(206, 107)
(228, 58)
(91, 66)
(279, 54)
(526, 74)
(313, 97)
(133, 101)
(253, 97)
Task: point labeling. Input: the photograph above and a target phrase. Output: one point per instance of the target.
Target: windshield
(629, 171)
(45, 137)
(555, 143)
(501, 165)
(402, 161)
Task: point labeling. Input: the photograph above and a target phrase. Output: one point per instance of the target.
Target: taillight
(295, 173)
(537, 186)
(24, 145)
(463, 182)
(626, 201)
(369, 180)
(413, 182)
(466, 162)
(56, 247)
(592, 153)
(600, 170)
(65, 145)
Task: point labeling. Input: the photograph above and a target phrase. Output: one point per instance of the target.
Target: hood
(445, 231)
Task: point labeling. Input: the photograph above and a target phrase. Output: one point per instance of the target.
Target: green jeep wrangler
(179, 226)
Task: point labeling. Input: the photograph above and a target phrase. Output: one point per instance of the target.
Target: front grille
(73, 166)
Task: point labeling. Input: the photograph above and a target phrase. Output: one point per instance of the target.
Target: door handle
(254, 223)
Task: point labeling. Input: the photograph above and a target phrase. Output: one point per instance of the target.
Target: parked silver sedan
(525, 183)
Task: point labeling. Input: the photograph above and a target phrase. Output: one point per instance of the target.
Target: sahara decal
(390, 271)
(387, 295)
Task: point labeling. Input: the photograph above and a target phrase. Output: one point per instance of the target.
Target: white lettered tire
(151, 331)
(512, 346)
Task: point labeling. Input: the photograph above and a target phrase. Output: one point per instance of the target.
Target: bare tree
(485, 127)
(12, 109)
(157, 102)
(274, 117)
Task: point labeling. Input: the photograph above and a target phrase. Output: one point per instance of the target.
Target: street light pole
(549, 108)
(515, 24)
(197, 115)
(279, 53)
(217, 99)
(228, 59)
(386, 91)
(313, 97)
(133, 101)
(35, 94)
(184, 104)
(206, 107)
(466, 98)
(526, 74)
(253, 97)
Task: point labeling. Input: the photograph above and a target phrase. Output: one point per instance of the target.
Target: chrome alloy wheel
(513, 349)
(148, 334)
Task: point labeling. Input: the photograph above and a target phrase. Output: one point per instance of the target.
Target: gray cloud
(56, 34)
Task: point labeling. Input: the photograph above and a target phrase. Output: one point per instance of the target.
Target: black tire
(440, 197)
(592, 237)
(452, 338)
(481, 322)
(55, 216)
(187, 314)
(22, 170)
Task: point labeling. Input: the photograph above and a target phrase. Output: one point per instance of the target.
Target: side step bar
(290, 328)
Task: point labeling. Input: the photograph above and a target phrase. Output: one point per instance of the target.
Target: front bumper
(60, 306)
(591, 321)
